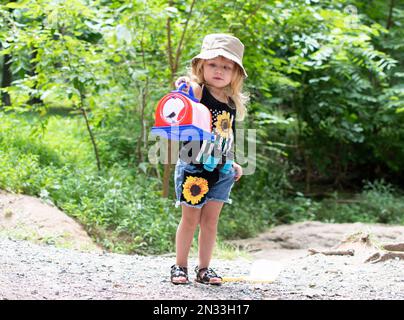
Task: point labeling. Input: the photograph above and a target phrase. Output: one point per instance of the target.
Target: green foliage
(327, 102)
(119, 211)
(379, 202)
(120, 208)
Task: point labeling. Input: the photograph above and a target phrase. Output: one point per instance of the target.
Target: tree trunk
(34, 100)
(6, 79)
(143, 103)
(308, 172)
(7, 76)
(389, 22)
(142, 136)
(167, 171)
(84, 113)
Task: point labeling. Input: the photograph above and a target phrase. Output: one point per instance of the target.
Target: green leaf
(14, 5)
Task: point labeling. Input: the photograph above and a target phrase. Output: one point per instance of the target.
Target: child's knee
(209, 225)
(191, 221)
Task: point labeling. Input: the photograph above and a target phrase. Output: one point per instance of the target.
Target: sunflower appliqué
(223, 125)
(194, 188)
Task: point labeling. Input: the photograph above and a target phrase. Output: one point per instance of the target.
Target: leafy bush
(379, 202)
(121, 208)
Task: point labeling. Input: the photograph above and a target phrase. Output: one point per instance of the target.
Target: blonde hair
(234, 90)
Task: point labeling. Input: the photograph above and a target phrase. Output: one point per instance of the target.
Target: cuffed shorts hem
(229, 201)
(199, 206)
(178, 203)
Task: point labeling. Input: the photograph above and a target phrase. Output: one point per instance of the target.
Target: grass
(222, 250)
(23, 232)
(226, 251)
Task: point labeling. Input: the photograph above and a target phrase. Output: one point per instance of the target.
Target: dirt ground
(28, 218)
(287, 242)
(48, 265)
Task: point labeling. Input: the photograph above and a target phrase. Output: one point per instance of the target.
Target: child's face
(218, 72)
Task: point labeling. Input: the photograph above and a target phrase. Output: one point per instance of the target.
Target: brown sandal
(178, 271)
(205, 275)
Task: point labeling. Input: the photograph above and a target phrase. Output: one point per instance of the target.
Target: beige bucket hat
(219, 44)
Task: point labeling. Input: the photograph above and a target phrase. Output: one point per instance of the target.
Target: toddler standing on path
(206, 171)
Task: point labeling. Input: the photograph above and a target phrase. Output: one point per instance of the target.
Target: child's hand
(239, 171)
(182, 80)
(197, 89)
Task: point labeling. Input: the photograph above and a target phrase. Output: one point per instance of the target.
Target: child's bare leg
(207, 233)
(185, 233)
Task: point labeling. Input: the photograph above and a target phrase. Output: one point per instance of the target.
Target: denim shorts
(194, 186)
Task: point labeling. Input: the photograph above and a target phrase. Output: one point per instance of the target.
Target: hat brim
(211, 54)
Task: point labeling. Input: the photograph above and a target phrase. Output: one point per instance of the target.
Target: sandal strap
(178, 271)
(208, 273)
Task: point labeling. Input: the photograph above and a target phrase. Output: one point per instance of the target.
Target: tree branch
(179, 47)
(169, 47)
(349, 252)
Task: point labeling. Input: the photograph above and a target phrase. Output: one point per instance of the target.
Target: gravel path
(31, 271)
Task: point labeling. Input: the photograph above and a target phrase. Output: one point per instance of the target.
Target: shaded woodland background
(80, 81)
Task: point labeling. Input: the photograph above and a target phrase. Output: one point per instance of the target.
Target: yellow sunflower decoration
(223, 124)
(194, 188)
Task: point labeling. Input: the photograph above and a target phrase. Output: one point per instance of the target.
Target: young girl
(202, 180)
